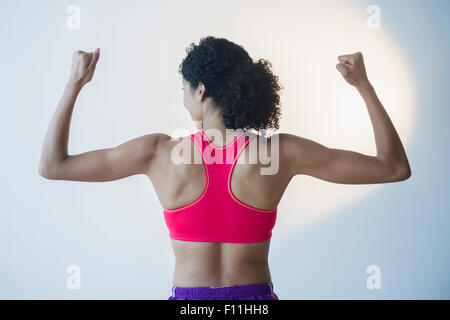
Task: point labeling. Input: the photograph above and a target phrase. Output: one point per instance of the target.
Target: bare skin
(213, 263)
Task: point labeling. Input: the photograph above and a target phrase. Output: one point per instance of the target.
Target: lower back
(214, 264)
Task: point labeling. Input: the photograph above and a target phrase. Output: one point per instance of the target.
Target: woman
(221, 214)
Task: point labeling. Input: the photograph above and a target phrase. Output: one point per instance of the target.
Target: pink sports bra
(217, 215)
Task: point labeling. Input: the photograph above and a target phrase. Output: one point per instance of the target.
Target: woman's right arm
(303, 156)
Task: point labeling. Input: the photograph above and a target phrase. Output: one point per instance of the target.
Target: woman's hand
(352, 68)
(83, 67)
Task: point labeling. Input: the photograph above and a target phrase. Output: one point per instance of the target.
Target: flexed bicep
(304, 156)
(129, 158)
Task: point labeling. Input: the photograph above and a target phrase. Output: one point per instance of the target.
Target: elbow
(397, 170)
(44, 171)
(403, 173)
(50, 169)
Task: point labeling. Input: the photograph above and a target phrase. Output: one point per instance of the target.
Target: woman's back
(177, 185)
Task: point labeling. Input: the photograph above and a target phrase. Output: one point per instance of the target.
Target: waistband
(239, 290)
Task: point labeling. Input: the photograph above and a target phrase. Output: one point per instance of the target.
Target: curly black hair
(246, 91)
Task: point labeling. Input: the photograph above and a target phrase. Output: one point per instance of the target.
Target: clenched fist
(83, 66)
(352, 68)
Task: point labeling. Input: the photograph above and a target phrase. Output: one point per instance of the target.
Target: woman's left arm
(130, 158)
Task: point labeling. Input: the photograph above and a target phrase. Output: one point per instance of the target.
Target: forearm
(389, 146)
(55, 146)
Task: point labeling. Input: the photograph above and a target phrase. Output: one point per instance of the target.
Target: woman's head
(222, 75)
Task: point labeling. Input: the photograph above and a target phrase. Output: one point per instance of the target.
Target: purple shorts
(263, 291)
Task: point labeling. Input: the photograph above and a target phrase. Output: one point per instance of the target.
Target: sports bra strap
(226, 154)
